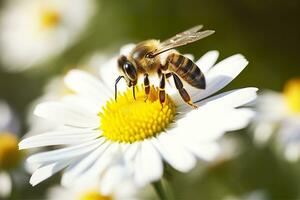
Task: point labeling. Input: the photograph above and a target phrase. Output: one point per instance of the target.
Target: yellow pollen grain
(292, 95)
(129, 120)
(94, 195)
(10, 155)
(49, 18)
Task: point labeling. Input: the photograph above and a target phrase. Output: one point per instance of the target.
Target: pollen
(94, 195)
(292, 95)
(49, 18)
(130, 120)
(9, 152)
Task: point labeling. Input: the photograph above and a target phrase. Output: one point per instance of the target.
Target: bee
(145, 59)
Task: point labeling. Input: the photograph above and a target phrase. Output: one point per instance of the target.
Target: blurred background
(265, 32)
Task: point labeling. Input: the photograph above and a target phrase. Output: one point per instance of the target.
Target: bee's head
(128, 70)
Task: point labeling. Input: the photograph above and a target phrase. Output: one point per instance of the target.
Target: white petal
(128, 191)
(174, 153)
(131, 151)
(86, 85)
(31, 167)
(233, 98)
(139, 177)
(106, 160)
(220, 75)
(6, 184)
(111, 179)
(87, 104)
(65, 153)
(148, 164)
(62, 137)
(238, 119)
(46, 171)
(207, 61)
(200, 136)
(67, 115)
(78, 168)
(152, 163)
(189, 56)
(204, 151)
(202, 124)
(209, 122)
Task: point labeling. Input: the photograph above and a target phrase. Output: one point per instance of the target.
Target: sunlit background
(265, 32)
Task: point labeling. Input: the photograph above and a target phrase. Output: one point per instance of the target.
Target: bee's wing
(180, 39)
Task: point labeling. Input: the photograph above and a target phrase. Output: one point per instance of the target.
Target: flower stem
(161, 191)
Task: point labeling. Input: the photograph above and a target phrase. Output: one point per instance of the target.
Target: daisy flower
(10, 156)
(97, 134)
(280, 112)
(36, 30)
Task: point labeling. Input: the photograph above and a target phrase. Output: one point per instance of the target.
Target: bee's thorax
(139, 56)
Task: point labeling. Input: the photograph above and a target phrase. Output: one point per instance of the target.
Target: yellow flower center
(129, 120)
(94, 195)
(9, 152)
(292, 95)
(49, 18)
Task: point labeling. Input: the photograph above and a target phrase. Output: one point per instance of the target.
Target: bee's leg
(168, 75)
(162, 93)
(116, 88)
(147, 85)
(159, 73)
(183, 93)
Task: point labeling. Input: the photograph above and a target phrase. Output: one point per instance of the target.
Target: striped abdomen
(186, 69)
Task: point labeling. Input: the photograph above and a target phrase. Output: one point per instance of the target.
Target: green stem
(161, 191)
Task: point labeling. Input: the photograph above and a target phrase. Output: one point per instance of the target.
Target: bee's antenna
(133, 91)
(116, 88)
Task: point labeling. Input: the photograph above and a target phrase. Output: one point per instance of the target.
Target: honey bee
(145, 60)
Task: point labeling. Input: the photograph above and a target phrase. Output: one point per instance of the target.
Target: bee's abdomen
(187, 70)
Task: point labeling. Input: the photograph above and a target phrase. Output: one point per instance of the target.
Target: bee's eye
(130, 70)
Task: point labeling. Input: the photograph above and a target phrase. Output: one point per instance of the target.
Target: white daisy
(33, 31)
(280, 113)
(101, 135)
(10, 156)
